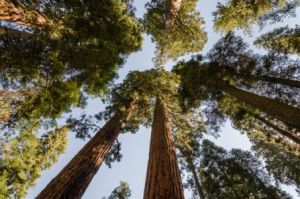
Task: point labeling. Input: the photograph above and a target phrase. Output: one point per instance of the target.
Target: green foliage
(243, 13)
(281, 163)
(186, 34)
(278, 15)
(75, 55)
(234, 174)
(142, 88)
(121, 192)
(230, 62)
(25, 156)
(285, 40)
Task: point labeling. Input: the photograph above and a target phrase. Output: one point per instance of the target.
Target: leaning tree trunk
(173, 7)
(163, 177)
(266, 78)
(13, 33)
(276, 128)
(191, 166)
(277, 80)
(274, 108)
(12, 11)
(74, 179)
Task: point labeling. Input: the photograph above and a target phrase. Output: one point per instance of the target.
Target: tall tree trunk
(173, 7)
(270, 79)
(191, 166)
(277, 80)
(274, 108)
(13, 33)
(74, 179)
(276, 128)
(163, 179)
(12, 11)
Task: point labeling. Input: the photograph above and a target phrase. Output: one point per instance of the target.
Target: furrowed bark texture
(12, 11)
(274, 108)
(173, 7)
(73, 180)
(163, 179)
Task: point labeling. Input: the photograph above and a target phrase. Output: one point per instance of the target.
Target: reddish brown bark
(163, 179)
(274, 108)
(12, 11)
(73, 180)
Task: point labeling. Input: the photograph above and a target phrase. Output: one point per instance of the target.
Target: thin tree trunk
(163, 179)
(13, 33)
(74, 179)
(12, 11)
(274, 80)
(274, 108)
(173, 7)
(195, 176)
(276, 128)
(277, 80)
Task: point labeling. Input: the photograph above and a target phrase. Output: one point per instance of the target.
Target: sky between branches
(135, 148)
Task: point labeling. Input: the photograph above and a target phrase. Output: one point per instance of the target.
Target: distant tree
(25, 156)
(175, 27)
(188, 141)
(278, 15)
(234, 174)
(285, 40)
(247, 119)
(281, 163)
(241, 14)
(121, 192)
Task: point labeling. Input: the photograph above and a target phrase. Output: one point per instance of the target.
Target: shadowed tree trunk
(13, 33)
(277, 80)
(274, 108)
(12, 11)
(163, 179)
(276, 128)
(74, 179)
(173, 7)
(191, 166)
(270, 79)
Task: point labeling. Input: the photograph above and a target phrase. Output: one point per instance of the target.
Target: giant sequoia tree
(175, 27)
(241, 14)
(67, 61)
(131, 104)
(230, 70)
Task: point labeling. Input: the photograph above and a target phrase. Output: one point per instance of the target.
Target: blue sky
(135, 147)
